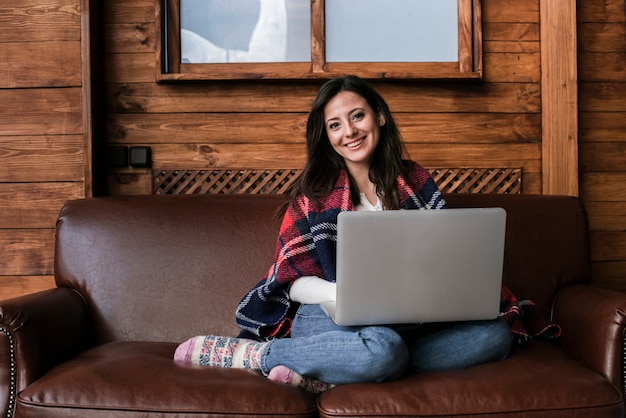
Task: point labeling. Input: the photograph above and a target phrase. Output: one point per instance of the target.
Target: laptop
(416, 266)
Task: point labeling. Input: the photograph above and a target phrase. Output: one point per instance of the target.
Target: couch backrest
(164, 268)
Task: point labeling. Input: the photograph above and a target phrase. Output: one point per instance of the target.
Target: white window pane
(391, 31)
(220, 31)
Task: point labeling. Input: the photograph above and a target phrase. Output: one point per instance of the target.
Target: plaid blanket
(306, 246)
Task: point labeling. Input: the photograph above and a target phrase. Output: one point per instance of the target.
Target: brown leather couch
(137, 275)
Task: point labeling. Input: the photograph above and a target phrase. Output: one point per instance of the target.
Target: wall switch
(117, 156)
(140, 157)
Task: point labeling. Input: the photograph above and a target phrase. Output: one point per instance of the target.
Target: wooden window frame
(169, 68)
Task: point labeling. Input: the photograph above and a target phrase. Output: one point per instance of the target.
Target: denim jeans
(323, 350)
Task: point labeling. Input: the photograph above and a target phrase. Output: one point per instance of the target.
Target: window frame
(468, 67)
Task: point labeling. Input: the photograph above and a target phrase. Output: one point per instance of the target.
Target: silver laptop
(406, 266)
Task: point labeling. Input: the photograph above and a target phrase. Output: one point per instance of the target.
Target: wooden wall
(43, 144)
(495, 123)
(602, 123)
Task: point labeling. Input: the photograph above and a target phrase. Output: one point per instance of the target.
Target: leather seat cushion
(142, 378)
(539, 381)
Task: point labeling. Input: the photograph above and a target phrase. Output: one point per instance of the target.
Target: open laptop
(407, 266)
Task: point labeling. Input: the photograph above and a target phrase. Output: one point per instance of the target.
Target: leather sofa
(137, 275)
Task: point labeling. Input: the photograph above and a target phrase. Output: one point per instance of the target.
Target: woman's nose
(350, 129)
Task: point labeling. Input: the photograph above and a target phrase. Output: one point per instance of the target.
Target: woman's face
(353, 129)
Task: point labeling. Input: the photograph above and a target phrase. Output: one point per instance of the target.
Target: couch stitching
(12, 373)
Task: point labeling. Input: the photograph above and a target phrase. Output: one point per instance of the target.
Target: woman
(355, 162)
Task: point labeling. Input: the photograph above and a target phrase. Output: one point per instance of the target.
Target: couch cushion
(142, 378)
(537, 381)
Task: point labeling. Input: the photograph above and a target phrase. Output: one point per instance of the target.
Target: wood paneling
(602, 123)
(41, 111)
(41, 158)
(266, 128)
(559, 78)
(40, 20)
(420, 98)
(44, 153)
(35, 205)
(27, 252)
(14, 286)
(20, 61)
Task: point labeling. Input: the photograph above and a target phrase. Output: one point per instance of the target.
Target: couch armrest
(593, 320)
(37, 332)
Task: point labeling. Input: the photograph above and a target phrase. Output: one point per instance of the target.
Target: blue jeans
(323, 350)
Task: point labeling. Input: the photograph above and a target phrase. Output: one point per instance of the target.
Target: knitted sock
(218, 351)
(283, 374)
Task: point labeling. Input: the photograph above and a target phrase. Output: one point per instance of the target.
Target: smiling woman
(303, 39)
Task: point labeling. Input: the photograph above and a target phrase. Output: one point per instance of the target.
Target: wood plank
(40, 64)
(531, 183)
(130, 68)
(608, 245)
(525, 156)
(511, 38)
(601, 11)
(35, 205)
(27, 252)
(511, 47)
(15, 286)
(297, 97)
(510, 11)
(601, 37)
(129, 38)
(286, 156)
(512, 68)
(40, 20)
(602, 67)
(128, 11)
(607, 216)
(42, 158)
(129, 183)
(501, 67)
(318, 36)
(91, 112)
(602, 97)
(507, 31)
(135, 129)
(601, 127)
(41, 112)
(559, 81)
(602, 157)
(465, 36)
(603, 187)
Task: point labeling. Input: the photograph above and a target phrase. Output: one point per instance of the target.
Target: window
(308, 39)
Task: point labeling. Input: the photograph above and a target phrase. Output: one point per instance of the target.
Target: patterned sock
(287, 376)
(218, 351)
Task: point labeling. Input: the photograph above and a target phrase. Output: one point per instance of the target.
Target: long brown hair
(323, 164)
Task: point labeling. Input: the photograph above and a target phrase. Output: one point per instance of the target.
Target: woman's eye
(333, 125)
(357, 116)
